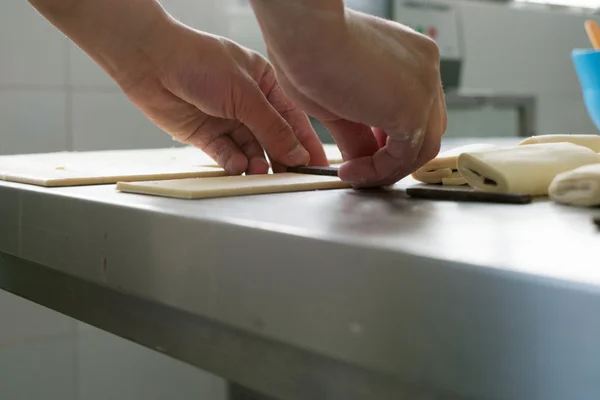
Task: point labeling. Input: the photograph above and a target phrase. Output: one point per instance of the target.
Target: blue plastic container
(587, 66)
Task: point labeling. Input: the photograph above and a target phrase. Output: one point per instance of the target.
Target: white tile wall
(141, 374)
(482, 122)
(85, 73)
(32, 51)
(32, 121)
(571, 109)
(205, 15)
(104, 121)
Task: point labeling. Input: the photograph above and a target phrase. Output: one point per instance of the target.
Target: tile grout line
(69, 134)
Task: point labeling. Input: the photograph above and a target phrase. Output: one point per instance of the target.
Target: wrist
(295, 23)
(299, 31)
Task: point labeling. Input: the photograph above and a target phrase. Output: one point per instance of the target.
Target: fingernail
(299, 156)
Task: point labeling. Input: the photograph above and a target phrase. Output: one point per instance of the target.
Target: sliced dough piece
(578, 187)
(233, 185)
(104, 167)
(333, 153)
(444, 166)
(590, 141)
(64, 176)
(523, 169)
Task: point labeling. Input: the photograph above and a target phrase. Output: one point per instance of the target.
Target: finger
(227, 154)
(300, 125)
(380, 136)
(354, 140)
(389, 164)
(243, 138)
(275, 135)
(297, 119)
(429, 150)
(211, 137)
(436, 127)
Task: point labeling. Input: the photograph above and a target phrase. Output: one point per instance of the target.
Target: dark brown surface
(329, 171)
(466, 194)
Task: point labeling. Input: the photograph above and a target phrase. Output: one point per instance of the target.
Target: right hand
(375, 85)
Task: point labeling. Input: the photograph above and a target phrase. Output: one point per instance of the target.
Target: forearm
(117, 34)
(289, 26)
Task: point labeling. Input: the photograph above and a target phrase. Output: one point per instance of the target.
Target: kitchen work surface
(105, 167)
(227, 186)
(335, 294)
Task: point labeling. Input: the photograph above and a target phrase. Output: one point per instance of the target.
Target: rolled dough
(443, 168)
(578, 187)
(523, 169)
(104, 167)
(228, 186)
(590, 141)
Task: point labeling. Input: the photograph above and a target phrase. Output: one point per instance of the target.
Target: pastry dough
(578, 187)
(333, 154)
(443, 168)
(103, 167)
(523, 169)
(233, 185)
(590, 141)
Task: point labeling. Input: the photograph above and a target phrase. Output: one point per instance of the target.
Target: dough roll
(443, 169)
(590, 141)
(578, 187)
(523, 169)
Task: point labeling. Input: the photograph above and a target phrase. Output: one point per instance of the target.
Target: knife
(328, 171)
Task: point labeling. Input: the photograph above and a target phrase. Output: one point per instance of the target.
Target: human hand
(224, 99)
(373, 83)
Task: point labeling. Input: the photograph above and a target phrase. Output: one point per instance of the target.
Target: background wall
(52, 97)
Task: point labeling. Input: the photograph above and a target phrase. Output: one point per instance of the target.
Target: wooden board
(229, 186)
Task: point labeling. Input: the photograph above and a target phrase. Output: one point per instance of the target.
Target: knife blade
(328, 171)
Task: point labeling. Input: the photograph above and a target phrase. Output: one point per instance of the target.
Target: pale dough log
(233, 185)
(523, 169)
(454, 181)
(443, 168)
(578, 187)
(590, 141)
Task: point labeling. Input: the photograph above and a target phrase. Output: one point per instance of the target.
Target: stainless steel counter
(324, 295)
